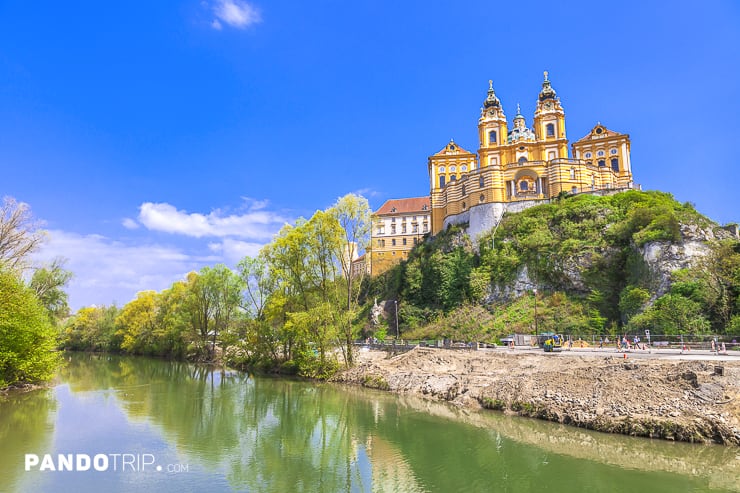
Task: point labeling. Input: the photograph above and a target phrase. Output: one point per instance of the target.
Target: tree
(47, 282)
(20, 235)
(137, 324)
(92, 329)
(213, 298)
(27, 338)
(353, 214)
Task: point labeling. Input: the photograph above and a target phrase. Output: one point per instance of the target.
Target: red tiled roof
(404, 206)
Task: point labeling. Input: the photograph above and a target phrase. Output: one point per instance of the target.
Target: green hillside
(590, 260)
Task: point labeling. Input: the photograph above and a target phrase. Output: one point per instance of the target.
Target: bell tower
(549, 123)
(493, 133)
(492, 129)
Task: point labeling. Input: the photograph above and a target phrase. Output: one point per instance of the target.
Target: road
(664, 354)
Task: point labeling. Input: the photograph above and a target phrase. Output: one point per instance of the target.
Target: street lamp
(536, 334)
(396, 303)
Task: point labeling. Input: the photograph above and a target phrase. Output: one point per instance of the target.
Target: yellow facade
(524, 164)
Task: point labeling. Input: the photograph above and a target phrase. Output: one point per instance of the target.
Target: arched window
(550, 130)
(523, 186)
(481, 182)
(602, 163)
(572, 173)
(522, 160)
(492, 137)
(453, 178)
(615, 164)
(441, 181)
(463, 190)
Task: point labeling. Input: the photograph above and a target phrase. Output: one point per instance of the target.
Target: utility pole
(536, 333)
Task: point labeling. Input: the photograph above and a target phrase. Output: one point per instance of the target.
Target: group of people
(718, 348)
(624, 343)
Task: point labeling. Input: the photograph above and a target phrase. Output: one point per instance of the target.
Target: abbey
(517, 168)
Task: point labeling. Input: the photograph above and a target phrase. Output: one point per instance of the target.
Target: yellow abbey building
(520, 167)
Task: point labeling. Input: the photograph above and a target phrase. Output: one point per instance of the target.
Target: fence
(655, 341)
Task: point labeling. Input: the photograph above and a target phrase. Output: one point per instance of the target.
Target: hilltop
(588, 264)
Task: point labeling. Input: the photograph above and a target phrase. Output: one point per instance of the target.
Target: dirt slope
(676, 400)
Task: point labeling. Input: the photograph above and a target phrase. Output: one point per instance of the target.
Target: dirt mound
(677, 400)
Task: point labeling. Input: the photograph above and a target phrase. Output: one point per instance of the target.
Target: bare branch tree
(20, 234)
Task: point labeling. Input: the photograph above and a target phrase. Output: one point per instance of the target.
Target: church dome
(491, 101)
(520, 132)
(547, 91)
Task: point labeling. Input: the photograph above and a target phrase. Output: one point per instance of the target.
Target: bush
(27, 337)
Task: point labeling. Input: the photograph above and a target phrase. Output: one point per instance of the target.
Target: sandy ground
(688, 397)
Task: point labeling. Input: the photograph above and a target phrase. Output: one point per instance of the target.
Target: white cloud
(233, 251)
(129, 223)
(235, 13)
(253, 224)
(366, 192)
(106, 270)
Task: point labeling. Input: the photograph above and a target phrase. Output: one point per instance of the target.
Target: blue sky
(157, 137)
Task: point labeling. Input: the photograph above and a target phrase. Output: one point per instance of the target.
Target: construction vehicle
(552, 342)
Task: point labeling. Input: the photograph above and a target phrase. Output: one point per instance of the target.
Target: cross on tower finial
(518, 110)
(490, 84)
(546, 74)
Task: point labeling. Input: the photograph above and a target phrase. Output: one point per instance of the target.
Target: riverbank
(694, 400)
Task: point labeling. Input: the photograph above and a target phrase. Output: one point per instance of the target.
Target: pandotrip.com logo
(119, 462)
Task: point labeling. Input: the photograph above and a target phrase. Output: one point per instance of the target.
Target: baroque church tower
(523, 166)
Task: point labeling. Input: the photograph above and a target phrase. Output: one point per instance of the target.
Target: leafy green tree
(47, 282)
(137, 324)
(27, 338)
(353, 214)
(213, 298)
(632, 301)
(92, 329)
(672, 314)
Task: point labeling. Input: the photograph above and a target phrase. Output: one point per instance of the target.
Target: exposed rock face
(663, 257)
(675, 400)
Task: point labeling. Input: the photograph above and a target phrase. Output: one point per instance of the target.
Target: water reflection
(274, 435)
(26, 424)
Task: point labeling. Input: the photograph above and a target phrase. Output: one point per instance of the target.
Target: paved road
(669, 354)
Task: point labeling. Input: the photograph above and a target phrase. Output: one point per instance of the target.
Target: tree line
(294, 307)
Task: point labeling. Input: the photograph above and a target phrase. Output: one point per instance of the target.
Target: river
(121, 424)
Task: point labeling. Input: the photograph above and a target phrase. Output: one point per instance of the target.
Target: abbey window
(615, 164)
(550, 130)
(492, 137)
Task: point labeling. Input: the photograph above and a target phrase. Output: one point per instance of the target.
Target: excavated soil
(693, 401)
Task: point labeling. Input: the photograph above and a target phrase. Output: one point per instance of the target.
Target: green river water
(150, 425)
